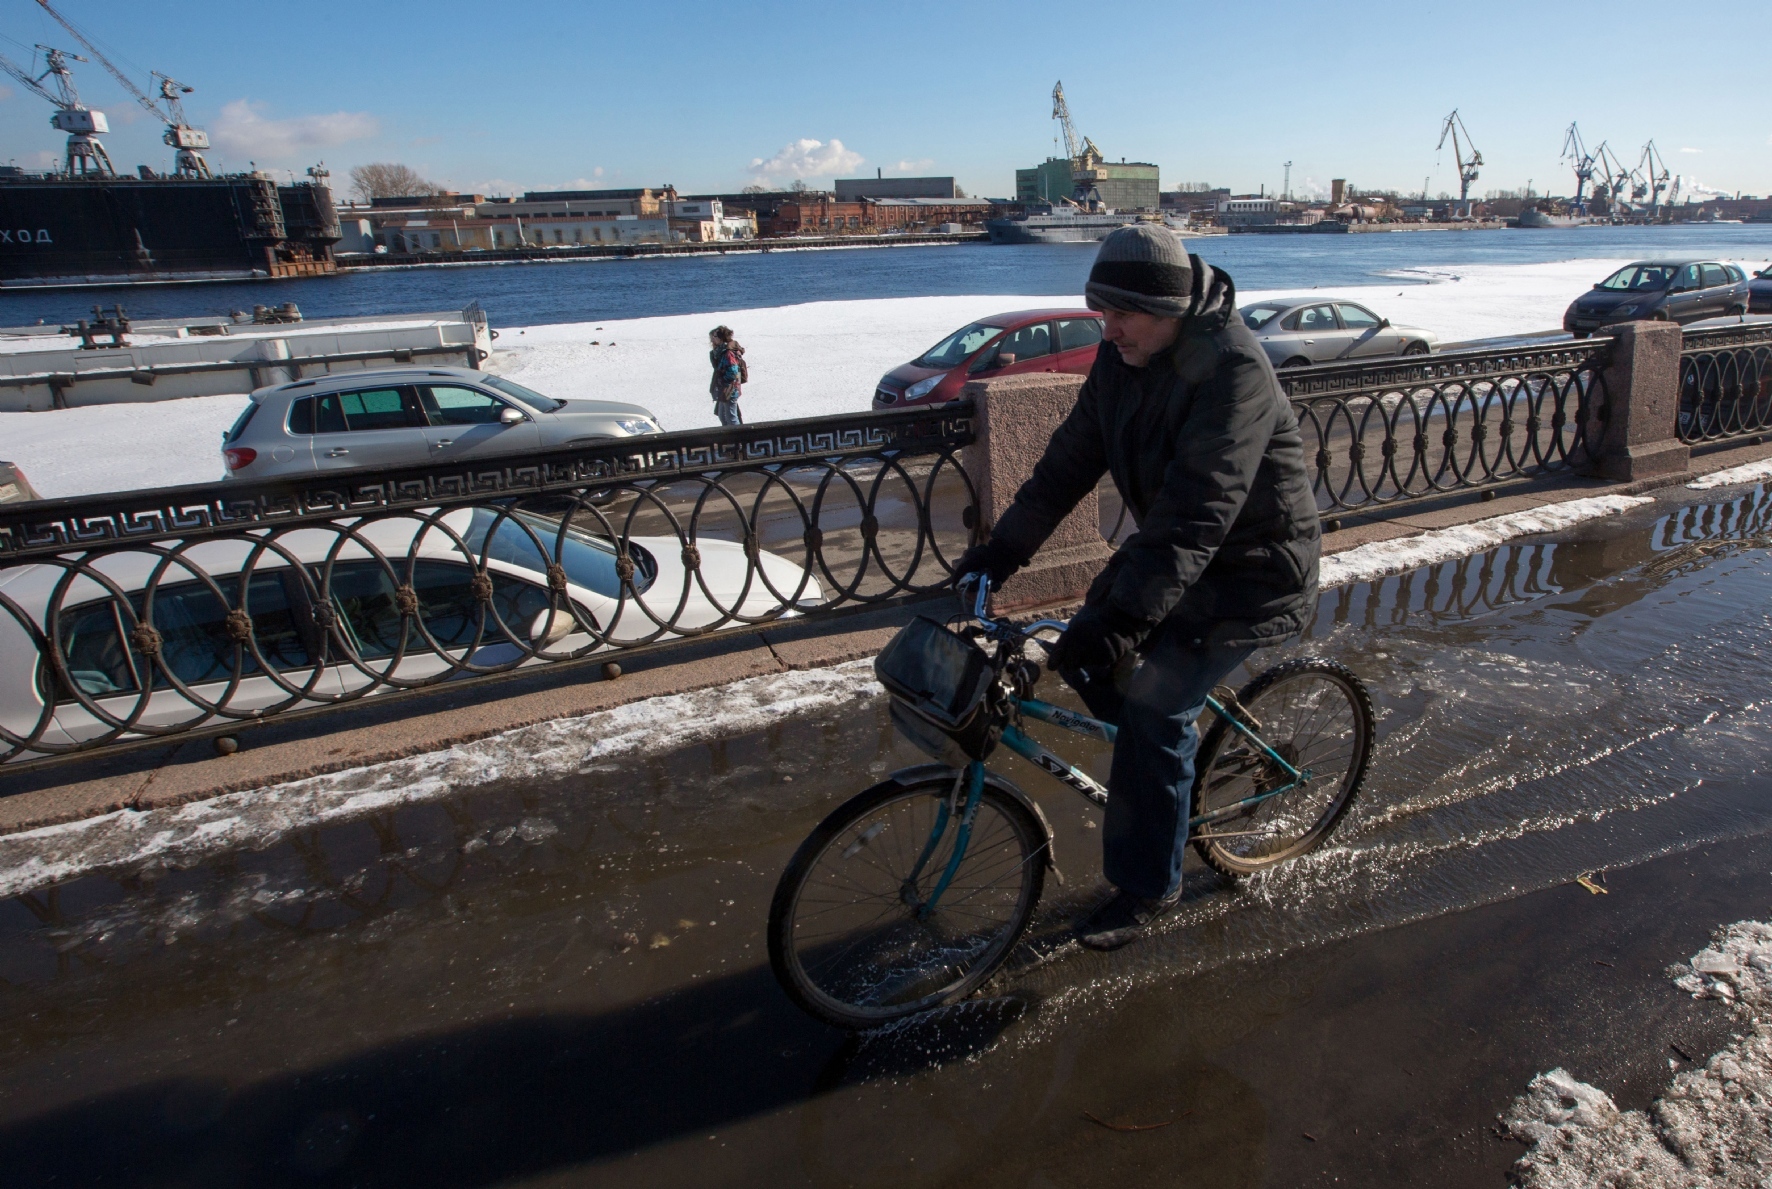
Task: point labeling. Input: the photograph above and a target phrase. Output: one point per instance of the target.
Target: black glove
(1098, 637)
(993, 559)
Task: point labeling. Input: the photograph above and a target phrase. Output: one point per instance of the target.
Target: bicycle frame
(1030, 749)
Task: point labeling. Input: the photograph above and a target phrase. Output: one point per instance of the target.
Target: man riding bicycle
(1183, 409)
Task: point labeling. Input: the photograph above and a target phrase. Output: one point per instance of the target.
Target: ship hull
(59, 232)
(1530, 219)
(1038, 229)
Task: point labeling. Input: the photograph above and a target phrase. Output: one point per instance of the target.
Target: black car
(1761, 289)
(1663, 290)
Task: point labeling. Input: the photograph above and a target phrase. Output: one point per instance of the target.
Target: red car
(1019, 343)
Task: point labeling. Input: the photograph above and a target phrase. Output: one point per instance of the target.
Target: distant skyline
(715, 97)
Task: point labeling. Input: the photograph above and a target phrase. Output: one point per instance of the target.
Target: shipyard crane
(1614, 175)
(1575, 153)
(1084, 157)
(179, 135)
(86, 156)
(1654, 174)
(1467, 165)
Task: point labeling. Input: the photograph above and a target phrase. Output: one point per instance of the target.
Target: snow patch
(257, 818)
(1365, 563)
(1711, 1129)
(1751, 472)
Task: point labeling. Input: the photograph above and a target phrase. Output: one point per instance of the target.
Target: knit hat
(1141, 269)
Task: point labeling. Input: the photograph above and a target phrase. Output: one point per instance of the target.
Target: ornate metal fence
(1726, 382)
(1380, 432)
(142, 615)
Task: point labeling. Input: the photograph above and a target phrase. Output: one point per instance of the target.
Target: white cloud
(242, 129)
(920, 164)
(1691, 150)
(806, 158)
(590, 183)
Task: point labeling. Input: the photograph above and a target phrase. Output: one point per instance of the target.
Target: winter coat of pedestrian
(730, 375)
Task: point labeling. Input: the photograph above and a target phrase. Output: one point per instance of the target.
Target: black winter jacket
(1206, 452)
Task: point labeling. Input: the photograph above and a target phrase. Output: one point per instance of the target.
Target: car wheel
(1660, 316)
(1297, 361)
(1417, 348)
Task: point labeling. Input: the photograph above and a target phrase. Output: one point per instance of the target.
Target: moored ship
(59, 230)
(1045, 225)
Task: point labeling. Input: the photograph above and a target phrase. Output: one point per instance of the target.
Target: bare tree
(959, 192)
(386, 179)
(799, 186)
(755, 188)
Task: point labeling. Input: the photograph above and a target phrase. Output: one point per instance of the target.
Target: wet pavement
(565, 983)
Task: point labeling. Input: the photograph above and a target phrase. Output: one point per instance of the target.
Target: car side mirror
(1005, 360)
(1384, 323)
(550, 626)
(511, 416)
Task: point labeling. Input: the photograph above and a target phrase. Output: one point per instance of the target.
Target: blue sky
(711, 96)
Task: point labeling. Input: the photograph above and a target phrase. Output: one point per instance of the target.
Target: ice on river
(805, 360)
(1710, 1128)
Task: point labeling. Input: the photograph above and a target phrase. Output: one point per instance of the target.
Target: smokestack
(1337, 190)
(879, 172)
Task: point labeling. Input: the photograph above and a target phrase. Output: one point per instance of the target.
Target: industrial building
(1123, 186)
(856, 189)
(453, 222)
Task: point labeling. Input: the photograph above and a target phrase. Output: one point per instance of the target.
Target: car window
(1355, 318)
(370, 408)
(364, 596)
(241, 422)
(1076, 333)
(589, 561)
(1030, 342)
(530, 397)
(954, 350)
(1690, 277)
(1735, 273)
(447, 404)
(1640, 278)
(1714, 276)
(195, 644)
(1255, 317)
(320, 414)
(1317, 318)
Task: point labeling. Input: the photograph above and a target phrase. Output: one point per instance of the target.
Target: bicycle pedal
(1227, 697)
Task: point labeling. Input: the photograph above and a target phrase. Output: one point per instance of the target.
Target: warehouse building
(1122, 185)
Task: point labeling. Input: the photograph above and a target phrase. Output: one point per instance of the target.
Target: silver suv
(396, 417)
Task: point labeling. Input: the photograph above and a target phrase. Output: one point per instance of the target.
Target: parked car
(1018, 343)
(1295, 331)
(1759, 289)
(370, 632)
(1660, 290)
(394, 417)
(13, 484)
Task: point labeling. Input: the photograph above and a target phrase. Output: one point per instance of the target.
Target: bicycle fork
(973, 777)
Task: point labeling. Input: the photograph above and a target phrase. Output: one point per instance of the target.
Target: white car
(368, 645)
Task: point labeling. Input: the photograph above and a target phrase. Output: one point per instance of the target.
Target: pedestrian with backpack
(730, 374)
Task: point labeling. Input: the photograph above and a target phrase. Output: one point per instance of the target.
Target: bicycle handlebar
(980, 607)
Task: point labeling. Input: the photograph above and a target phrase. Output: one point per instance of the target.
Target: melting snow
(1752, 472)
(1711, 1129)
(186, 834)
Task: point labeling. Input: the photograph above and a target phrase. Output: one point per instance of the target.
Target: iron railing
(136, 616)
(1726, 382)
(1379, 432)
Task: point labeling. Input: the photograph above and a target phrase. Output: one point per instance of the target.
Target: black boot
(1122, 920)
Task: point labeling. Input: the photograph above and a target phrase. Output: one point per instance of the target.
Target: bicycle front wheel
(848, 936)
(1317, 716)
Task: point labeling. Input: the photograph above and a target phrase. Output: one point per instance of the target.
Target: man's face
(1140, 336)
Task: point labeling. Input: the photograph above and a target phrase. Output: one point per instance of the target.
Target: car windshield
(588, 561)
(535, 400)
(1255, 317)
(1640, 278)
(954, 350)
(1765, 274)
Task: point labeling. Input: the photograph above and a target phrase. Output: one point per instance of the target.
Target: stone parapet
(1639, 437)
(1016, 416)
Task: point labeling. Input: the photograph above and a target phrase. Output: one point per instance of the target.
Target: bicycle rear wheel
(846, 938)
(1317, 715)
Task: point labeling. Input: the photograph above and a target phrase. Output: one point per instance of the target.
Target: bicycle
(911, 894)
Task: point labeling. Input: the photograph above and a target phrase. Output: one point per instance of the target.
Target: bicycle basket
(938, 679)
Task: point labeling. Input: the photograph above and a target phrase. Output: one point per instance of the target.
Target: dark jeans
(1152, 779)
(727, 412)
